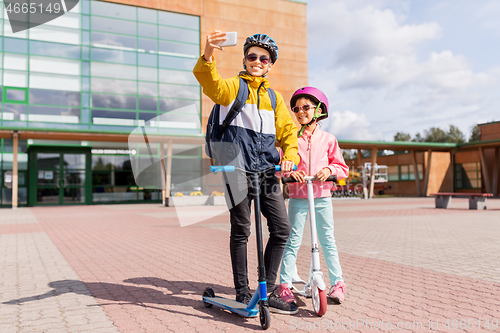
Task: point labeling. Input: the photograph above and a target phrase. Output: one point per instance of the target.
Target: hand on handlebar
(323, 174)
(287, 166)
(298, 176)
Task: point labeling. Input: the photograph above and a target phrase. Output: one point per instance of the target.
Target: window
(54, 65)
(55, 82)
(103, 66)
(393, 173)
(54, 49)
(112, 10)
(101, 39)
(114, 102)
(14, 112)
(148, 30)
(114, 86)
(113, 71)
(54, 114)
(468, 175)
(15, 95)
(404, 172)
(15, 78)
(113, 25)
(146, 103)
(15, 61)
(55, 34)
(148, 88)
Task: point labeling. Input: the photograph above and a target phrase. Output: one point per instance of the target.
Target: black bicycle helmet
(264, 41)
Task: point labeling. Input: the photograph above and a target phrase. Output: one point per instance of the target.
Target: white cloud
(443, 71)
(486, 15)
(367, 59)
(359, 33)
(348, 125)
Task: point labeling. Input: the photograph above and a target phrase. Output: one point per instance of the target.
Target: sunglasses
(305, 108)
(253, 57)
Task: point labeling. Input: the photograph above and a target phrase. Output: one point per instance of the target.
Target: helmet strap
(246, 70)
(316, 116)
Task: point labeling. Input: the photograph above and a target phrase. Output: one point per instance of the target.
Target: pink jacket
(317, 151)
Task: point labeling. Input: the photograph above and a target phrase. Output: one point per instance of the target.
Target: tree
(475, 134)
(349, 154)
(400, 136)
(418, 138)
(435, 134)
(455, 135)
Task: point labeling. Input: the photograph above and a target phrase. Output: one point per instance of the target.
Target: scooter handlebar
(221, 168)
(231, 168)
(286, 180)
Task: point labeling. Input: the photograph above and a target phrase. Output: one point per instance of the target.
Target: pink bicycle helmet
(316, 96)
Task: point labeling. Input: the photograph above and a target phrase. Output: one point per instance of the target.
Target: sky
(391, 66)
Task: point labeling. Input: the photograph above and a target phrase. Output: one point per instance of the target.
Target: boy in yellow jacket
(254, 132)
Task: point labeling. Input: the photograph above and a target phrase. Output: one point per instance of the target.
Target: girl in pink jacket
(320, 156)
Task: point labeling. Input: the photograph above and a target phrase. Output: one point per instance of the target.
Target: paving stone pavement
(39, 291)
(132, 268)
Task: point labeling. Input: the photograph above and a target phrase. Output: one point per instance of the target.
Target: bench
(476, 200)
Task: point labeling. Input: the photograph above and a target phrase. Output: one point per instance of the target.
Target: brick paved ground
(133, 268)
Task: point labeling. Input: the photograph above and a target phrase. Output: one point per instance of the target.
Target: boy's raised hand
(213, 39)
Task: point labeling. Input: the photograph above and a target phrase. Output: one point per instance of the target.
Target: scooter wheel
(265, 317)
(209, 292)
(319, 300)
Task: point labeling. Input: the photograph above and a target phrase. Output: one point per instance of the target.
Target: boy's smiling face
(257, 68)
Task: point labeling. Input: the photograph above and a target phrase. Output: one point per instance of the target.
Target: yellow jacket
(257, 127)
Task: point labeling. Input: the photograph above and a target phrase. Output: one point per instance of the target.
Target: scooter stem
(258, 228)
(312, 218)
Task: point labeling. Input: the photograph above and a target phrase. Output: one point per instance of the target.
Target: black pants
(274, 210)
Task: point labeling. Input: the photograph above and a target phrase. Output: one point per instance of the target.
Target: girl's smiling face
(257, 68)
(304, 117)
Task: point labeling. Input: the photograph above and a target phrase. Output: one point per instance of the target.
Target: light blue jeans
(298, 209)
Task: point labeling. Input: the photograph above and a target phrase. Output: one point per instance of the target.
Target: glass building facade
(100, 68)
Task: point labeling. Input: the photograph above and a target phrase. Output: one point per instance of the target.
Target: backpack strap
(272, 96)
(236, 108)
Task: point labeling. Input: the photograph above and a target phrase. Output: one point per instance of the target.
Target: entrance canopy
(413, 147)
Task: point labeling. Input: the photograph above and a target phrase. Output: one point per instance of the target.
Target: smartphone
(232, 39)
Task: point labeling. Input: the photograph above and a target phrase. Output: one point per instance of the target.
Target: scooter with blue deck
(258, 305)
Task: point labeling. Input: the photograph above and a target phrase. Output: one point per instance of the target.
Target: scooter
(258, 304)
(316, 288)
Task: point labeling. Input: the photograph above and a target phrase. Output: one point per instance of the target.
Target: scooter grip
(286, 180)
(278, 168)
(221, 168)
(332, 178)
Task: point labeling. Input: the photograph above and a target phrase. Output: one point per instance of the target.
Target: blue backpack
(218, 147)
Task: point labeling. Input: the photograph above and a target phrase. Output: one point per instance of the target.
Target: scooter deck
(226, 302)
(231, 305)
(299, 287)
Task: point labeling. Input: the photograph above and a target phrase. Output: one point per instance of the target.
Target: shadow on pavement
(199, 287)
(122, 294)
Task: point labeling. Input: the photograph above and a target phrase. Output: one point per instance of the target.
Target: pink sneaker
(337, 292)
(286, 294)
